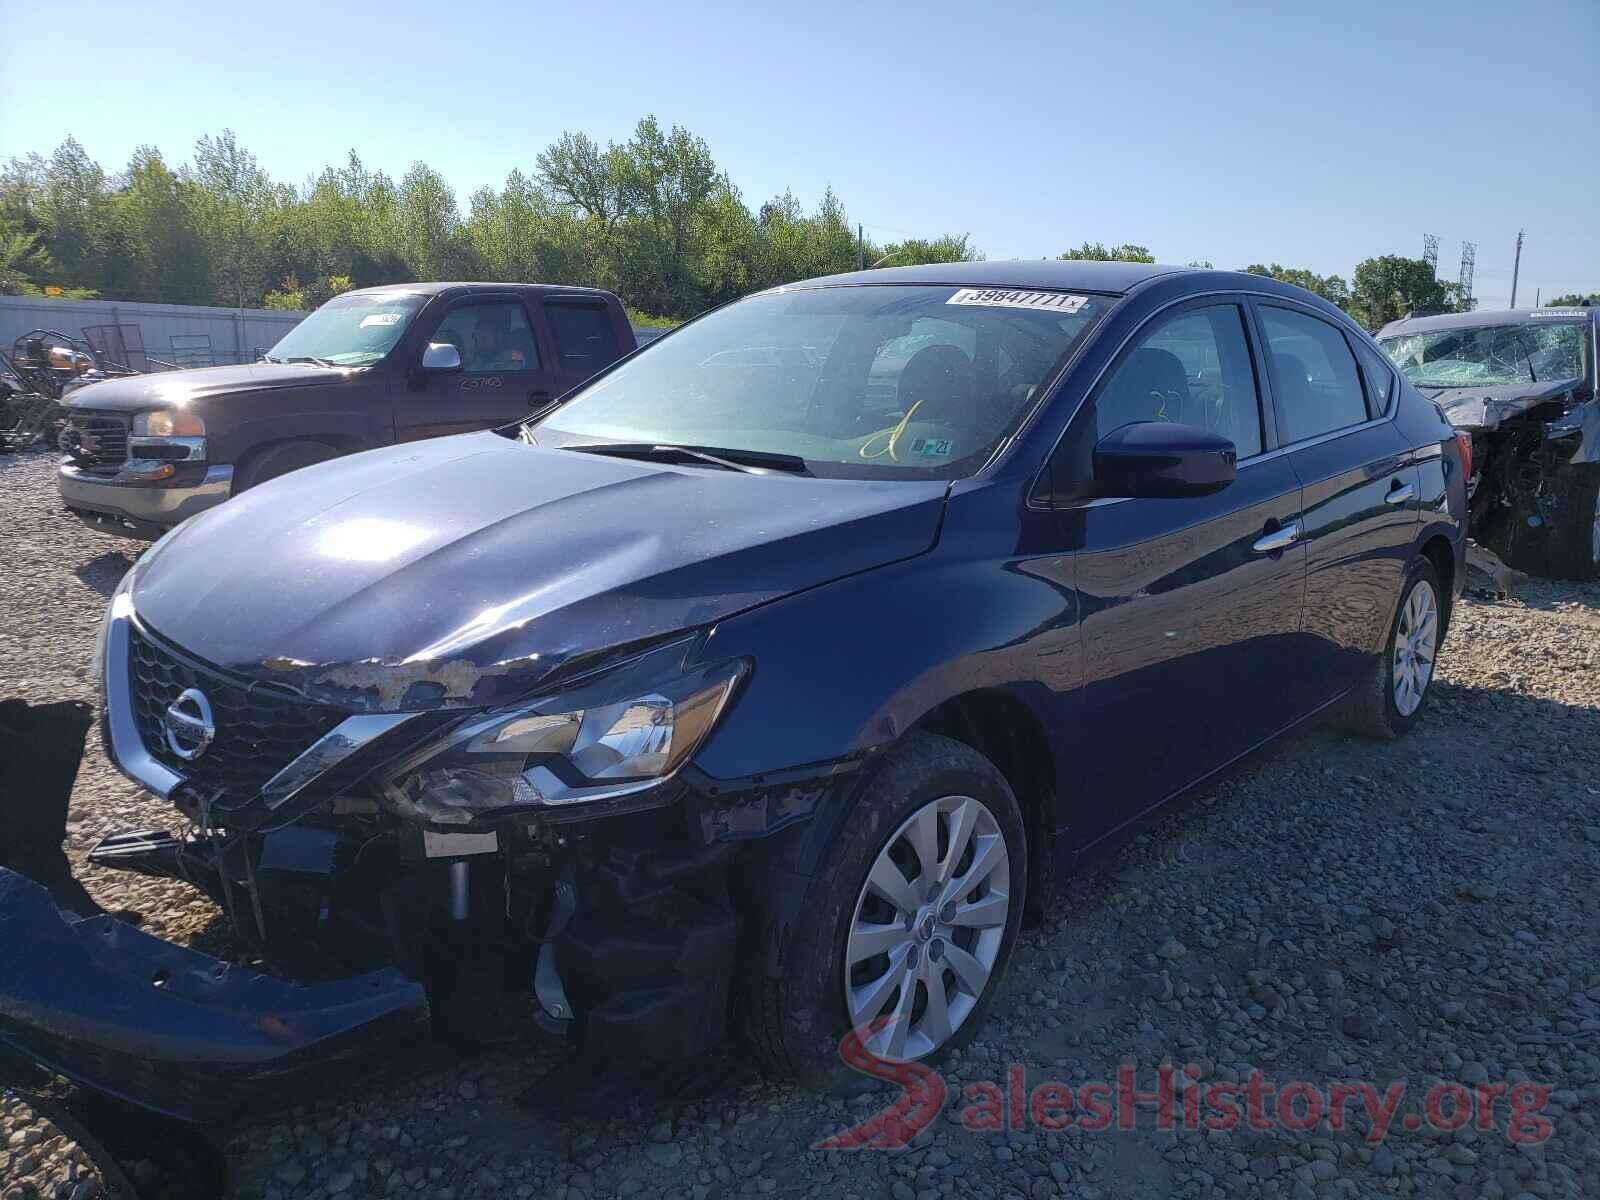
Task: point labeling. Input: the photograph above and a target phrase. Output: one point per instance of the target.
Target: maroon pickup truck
(368, 368)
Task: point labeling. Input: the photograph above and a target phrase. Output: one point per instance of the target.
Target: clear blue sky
(1308, 134)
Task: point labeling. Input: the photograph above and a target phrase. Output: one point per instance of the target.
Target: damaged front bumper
(174, 1030)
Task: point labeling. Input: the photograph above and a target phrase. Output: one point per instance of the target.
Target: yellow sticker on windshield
(1011, 298)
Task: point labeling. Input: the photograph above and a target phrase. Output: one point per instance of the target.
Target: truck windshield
(349, 331)
(877, 381)
(1491, 355)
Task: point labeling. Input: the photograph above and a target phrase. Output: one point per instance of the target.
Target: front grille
(259, 731)
(101, 441)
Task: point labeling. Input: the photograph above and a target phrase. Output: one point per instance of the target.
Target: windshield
(1487, 355)
(349, 331)
(881, 381)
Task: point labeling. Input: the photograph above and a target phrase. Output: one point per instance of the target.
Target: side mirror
(441, 356)
(1164, 460)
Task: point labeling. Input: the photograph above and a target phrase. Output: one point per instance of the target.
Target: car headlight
(627, 731)
(168, 422)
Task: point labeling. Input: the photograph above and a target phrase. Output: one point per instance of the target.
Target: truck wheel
(1574, 550)
(906, 924)
(1390, 700)
(280, 460)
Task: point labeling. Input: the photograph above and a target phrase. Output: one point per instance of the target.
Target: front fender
(845, 669)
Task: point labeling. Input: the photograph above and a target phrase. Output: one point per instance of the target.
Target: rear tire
(1395, 691)
(797, 1021)
(280, 459)
(1574, 549)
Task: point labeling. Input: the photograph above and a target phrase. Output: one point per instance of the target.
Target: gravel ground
(1415, 911)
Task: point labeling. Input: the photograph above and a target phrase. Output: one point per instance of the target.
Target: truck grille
(100, 442)
(258, 732)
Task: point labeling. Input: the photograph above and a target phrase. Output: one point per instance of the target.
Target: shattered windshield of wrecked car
(349, 331)
(880, 381)
(1491, 355)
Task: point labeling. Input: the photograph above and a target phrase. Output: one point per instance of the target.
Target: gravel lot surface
(1416, 911)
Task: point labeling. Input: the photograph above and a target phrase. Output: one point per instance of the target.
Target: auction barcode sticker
(1011, 298)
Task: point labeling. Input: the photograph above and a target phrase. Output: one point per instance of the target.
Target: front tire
(280, 459)
(907, 923)
(1574, 550)
(1395, 691)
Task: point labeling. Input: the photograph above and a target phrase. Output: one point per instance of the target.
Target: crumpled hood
(462, 571)
(174, 389)
(1491, 406)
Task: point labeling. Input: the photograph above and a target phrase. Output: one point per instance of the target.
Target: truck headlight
(629, 730)
(166, 422)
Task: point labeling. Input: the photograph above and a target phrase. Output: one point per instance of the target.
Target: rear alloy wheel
(1416, 640)
(1391, 698)
(928, 927)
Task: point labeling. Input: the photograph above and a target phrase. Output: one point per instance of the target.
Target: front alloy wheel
(928, 926)
(895, 921)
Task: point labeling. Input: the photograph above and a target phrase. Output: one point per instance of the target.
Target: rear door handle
(1278, 539)
(1399, 492)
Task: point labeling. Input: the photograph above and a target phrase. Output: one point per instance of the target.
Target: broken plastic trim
(174, 1030)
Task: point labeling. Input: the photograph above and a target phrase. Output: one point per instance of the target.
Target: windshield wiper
(310, 358)
(750, 461)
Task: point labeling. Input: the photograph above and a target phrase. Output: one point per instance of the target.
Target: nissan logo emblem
(189, 725)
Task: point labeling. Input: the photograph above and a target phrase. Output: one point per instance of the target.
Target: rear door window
(585, 338)
(1316, 383)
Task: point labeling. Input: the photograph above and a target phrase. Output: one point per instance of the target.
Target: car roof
(1478, 318)
(436, 287)
(1014, 273)
(1077, 276)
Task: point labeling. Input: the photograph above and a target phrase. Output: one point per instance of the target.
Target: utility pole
(1516, 266)
(861, 249)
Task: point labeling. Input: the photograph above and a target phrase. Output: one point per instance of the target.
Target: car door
(1191, 607)
(583, 336)
(502, 376)
(1361, 488)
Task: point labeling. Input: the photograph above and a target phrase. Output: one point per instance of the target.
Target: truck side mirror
(441, 356)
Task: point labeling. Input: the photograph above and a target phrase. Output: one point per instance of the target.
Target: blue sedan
(768, 679)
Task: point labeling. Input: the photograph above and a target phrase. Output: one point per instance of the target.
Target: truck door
(583, 334)
(502, 377)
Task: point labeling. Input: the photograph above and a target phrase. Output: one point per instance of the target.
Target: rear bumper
(172, 1029)
(139, 509)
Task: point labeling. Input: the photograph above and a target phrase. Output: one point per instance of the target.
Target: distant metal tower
(1430, 252)
(1469, 258)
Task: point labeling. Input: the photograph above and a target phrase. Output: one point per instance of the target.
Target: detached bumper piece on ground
(171, 1029)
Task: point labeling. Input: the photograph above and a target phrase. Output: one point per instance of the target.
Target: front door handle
(1276, 540)
(1399, 492)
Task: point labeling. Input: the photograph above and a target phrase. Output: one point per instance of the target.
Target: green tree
(1384, 289)
(23, 261)
(1098, 252)
(1331, 288)
(71, 214)
(949, 248)
(236, 203)
(1574, 300)
(151, 219)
